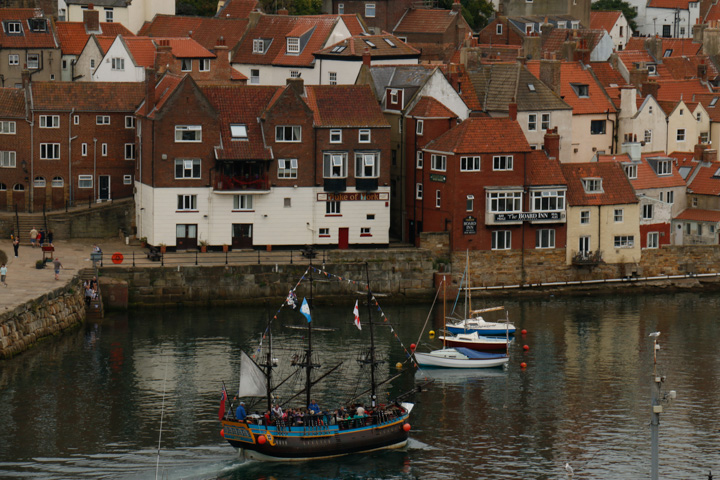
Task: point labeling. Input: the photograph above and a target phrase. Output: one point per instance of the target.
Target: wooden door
(343, 238)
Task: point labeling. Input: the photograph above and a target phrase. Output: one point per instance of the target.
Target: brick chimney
(150, 81)
(550, 74)
(297, 84)
(164, 59)
(282, 11)
(650, 88)
(552, 143)
(25, 76)
(512, 110)
(457, 6)
(699, 150)
(366, 57)
(639, 75)
(91, 19)
(221, 68)
(709, 155)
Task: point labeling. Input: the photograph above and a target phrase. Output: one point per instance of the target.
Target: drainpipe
(613, 145)
(138, 181)
(94, 166)
(70, 139)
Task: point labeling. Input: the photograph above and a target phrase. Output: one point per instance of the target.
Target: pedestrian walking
(33, 236)
(50, 237)
(58, 266)
(42, 237)
(16, 245)
(3, 274)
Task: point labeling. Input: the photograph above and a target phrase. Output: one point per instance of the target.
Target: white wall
(586, 144)
(105, 73)
(562, 119)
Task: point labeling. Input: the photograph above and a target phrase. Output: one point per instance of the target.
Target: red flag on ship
(223, 398)
(357, 316)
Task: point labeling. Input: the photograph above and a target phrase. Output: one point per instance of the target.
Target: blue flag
(305, 309)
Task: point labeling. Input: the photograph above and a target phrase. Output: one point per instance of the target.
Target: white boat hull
(450, 358)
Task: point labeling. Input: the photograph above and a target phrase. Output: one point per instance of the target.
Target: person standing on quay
(33, 236)
(3, 274)
(57, 266)
(16, 245)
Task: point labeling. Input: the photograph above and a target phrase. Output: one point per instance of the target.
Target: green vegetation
(208, 8)
(615, 5)
(477, 13)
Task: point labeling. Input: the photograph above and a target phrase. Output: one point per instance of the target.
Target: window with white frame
(188, 133)
(254, 76)
(438, 162)
(14, 59)
(117, 63)
(332, 78)
(545, 238)
(680, 135)
(618, 215)
(367, 164)
(694, 201)
(365, 232)
(469, 203)
(76, 119)
(648, 136)
(500, 240)
(336, 136)
(592, 185)
(419, 159)
(505, 202)
(84, 149)
(187, 168)
(204, 65)
(102, 119)
(33, 61)
(287, 167)
(624, 241)
(670, 197)
(104, 149)
(369, 10)
(418, 191)
(288, 133)
(13, 28)
(129, 151)
(39, 182)
(393, 96)
(548, 200)
(238, 131)
(7, 159)
(49, 121)
(323, 232)
(664, 167)
(597, 127)
(293, 45)
(469, 164)
(186, 65)
(438, 198)
(258, 45)
(18, 187)
(127, 179)
(109, 15)
(653, 239)
(7, 128)
(85, 181)
(532, 122)
(332, 208)
(335, 164)
(419, 127)
(647, 213)
(545, 121)
(503, 162)
(585, 217)
(242, 202)
(57, 182)
(499, 29)
(49, 151)
(631, 171)
(92, 63)
(704, 137)
(364, 135)
(187, 202)
(294, 73)
(129, 121)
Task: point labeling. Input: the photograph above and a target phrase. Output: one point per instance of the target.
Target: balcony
(587, 259)
(242, 182)
(366, 184)
(335, 185)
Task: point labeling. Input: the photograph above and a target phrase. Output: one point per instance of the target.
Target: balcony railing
(241, 182)
(587, 258)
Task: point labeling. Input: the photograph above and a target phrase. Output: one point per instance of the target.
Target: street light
(657, 401)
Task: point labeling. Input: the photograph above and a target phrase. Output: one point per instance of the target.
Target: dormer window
(293, 45)
(592, 185)
(238, 132)
(631, 171)
(575, 25)
(393, 96)
(529, 28)
(561, 25)
(581, 90)
(260, 45)
(664, 167)
(652, 69)
(13, 28)
(37, 25)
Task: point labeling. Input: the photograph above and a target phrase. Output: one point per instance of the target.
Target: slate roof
(12, 102)
(425, 20)
(647, 177)
(542, 170)
(377, 46)
(205, 30)
(430, 107)
(237, 8)
(496, 85)
(574, 73)
(699, 215)
(87, 96)
(478, 135)
(241, 104)
(617, 189)
(344, 106)
(604, 20)
(72, 36)
(408, 77)
(29, 38)
(278, 28)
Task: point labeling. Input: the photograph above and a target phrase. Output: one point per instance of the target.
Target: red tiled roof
(205, 30)
(635, 43)
(607, 75)
(186, 48)
(681, 4)
(88, 96)
(542, 170)
(604, 20)
(163, 90)
(429, 107)
(354, 24)
(713, 13)
(555, 41)
(73, 36)
(276, 27)
(713, 110)
(682, 159)
(237, 8)
(28, 39)
(679, 47)
(142, 50)
(424, 20)
(235, 75)
(676, 90)
(12, 103)
(377, 46)
(467, 93)
(617, 189)
(241, 104)
(574, 73)
(698, 215)
(344, 106)
(104, 43)
(707, 180)
(477, 135)
(647, 178)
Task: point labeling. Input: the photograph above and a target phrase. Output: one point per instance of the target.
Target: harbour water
(88, 404)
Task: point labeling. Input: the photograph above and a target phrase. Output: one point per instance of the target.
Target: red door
(343, 236)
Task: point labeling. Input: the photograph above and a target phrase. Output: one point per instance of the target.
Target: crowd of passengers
(353, 416)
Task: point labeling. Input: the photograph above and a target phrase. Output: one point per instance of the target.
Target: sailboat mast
(308, 353)
(373, 385)
(268, 373)
(468, 295)
(445, 333)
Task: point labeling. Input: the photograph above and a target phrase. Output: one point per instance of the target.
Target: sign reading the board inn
(469, 225)
(527, 217)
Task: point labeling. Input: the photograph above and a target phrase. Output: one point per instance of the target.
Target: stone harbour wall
(47, 315)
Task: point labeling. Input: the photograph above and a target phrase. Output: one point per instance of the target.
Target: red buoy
(526, 348)
(406, 427)
(523, 331)
(412, 347)
(222, 432)
(523, 365)
(262, 439)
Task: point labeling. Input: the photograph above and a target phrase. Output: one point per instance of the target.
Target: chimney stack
(150, 81)
(550, 74)
(709, 155)
(512, 110)
(366, 57)
(699, 150)
(297, 84)
(91, 19)
(552, 143)
(650, 88)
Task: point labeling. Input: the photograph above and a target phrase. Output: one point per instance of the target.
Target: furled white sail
(253, 382)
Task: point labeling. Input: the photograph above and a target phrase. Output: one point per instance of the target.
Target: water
(88, 404)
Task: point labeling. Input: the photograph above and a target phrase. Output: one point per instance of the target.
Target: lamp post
(657, 401)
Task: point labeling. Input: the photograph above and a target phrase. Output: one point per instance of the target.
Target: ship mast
(373, 363)
(308, 353)
(269, 366)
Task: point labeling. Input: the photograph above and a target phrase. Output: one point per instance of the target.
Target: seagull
(654, 334)
(569, 470)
